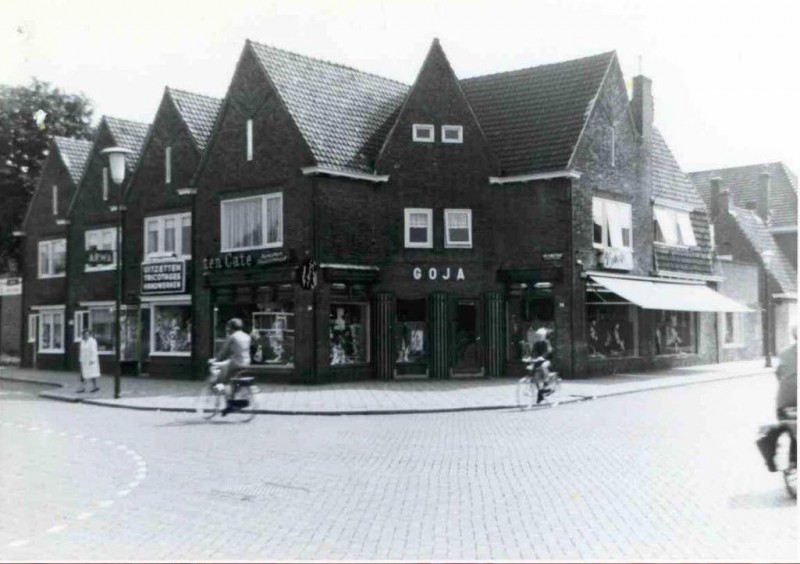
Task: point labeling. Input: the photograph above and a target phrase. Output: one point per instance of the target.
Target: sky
(726, 80)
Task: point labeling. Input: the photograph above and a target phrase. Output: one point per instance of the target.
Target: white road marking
(56, 529)
(84, 515)
(106, 503)
(123, 493)
(19, 542)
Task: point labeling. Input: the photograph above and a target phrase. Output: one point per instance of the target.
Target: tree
(29, 118)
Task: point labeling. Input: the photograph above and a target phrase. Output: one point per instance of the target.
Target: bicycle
(235, 400)
(536, 387)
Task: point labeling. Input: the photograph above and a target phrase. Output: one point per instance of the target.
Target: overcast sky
(725, 75)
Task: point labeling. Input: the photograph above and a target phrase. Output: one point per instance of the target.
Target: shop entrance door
(467, 346)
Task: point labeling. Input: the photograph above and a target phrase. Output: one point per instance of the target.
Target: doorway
(467, 347)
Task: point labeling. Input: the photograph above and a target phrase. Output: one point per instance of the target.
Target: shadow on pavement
(762, 500)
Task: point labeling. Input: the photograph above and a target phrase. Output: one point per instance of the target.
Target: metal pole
(119, 296)
(767, 323)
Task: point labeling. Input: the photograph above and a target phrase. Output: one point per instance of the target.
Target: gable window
(105, 183)
(168, 165)
(419, 228)
(101, 240)
(52, 258)
(613, 146)
(673, 227)
(249, 139)
(611, 224)
(423, 133)
(458, 228)
(170, 234)
(452, 134)
(55, 200)
(252, 223)
(51, 331)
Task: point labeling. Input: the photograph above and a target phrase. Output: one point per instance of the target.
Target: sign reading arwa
(164, 277)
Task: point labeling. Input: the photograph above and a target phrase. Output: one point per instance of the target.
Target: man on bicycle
(235, 353)
(541, 367)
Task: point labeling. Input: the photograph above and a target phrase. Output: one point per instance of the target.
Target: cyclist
(235, 353)
(540, 365)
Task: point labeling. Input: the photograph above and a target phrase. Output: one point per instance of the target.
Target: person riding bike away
(540, 365)
(235, 353)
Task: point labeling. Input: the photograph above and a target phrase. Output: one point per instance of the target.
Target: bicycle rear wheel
(246, 405)
(208, 402)
(526, 393)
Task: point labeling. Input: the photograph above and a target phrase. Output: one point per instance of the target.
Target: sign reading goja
(168, 277)
(99, 257)
(235, 261)
(617, 258)
(433, 273)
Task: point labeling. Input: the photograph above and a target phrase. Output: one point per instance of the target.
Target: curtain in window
(44, 258)
(667, 224)
(152, 236)
(685, 228)
(169, 235)
(614, 218)
(458, 227)
(417, 227)
(59, 250)
(598, 220)
(243, 224)
(186, 235)
(274, 220)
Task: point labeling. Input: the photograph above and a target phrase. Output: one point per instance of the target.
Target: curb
(30, 381)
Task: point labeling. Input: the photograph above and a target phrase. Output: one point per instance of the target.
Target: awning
(669, 295)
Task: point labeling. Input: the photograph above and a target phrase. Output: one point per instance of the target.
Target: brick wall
(10, 326)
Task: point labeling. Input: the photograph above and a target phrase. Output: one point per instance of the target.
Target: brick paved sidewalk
(376, 397)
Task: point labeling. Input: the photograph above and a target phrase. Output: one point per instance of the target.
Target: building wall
(741, 283)
(10, 325)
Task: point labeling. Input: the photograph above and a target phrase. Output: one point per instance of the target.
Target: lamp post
(766, 257)
(116, 164)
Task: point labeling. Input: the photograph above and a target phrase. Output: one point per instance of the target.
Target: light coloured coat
(90, 361)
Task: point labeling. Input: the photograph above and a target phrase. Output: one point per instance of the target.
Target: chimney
(763, 200)
(642, 105)
(719, 198)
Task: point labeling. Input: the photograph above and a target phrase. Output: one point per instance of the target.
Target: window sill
(346, 366)
(50, 276)
(452, 246)
(105, 353)
(668, 246)
(173, 354)
(733, 346)
(54, 351)
(420, 246)
(260, 248)
(103, 269)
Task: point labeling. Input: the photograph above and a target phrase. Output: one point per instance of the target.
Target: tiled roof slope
(344, 114)
(75, 154)
(533, 117)
(743, 183)
(669, 181)
(753, 228)
(128, 134)
(199, 113)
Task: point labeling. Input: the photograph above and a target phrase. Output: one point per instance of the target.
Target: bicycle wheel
(208, 403)
(526, 393)
(247, 400)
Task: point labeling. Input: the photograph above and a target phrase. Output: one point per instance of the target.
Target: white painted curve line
(33, 428)
(108, 442)
(84, 515)
(123, 493)
(106, 503)
(78, 437)
(62, 434)
(18, 543)
(133, 485)
(56, 529)
(122, 447)
(93, 440)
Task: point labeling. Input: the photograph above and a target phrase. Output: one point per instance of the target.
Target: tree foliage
(29, 118)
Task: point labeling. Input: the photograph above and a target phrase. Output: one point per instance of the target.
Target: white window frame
(612, 211)
(168, 165)
(675, 226)
(428, 213)
(33, 323)
(160, 222)
(50, 314)
(105, 183)
(448, 213)
(55, 199)
(738, 340)
(613, 146)
(80, 321)
(49, 245)
(153, 314)
(457, 128)
(225, 248)
(249, 139)
(417, 127)
(101, 232)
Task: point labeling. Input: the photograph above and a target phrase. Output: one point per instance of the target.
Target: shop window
(101, 324)
(458, 228)
(52, 258)
(347, 334)
(51, 331)
(411, 332)
(269, 323)
(611, 223)
(171, 330)
(731, 329)
(612, 325)
(419, 228)
(101, 240)
(170, 234)
(676, 332)
(422, 133)
(80, 321)
(252, 223)
(452, 134)
(673, 227)
(129, 333)
(527, 313)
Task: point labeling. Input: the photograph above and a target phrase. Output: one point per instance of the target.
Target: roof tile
(128, 134)
(756, 232)
(75, 154)
(199, 112)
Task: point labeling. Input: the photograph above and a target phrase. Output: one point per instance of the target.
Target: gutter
(315, 170)
(534, 176)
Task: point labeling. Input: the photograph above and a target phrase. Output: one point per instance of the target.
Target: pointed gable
(198, 112)
(74, 154)
(533, 118)
(758, 235)
(342, 113)
(669, 181)
(128, 134)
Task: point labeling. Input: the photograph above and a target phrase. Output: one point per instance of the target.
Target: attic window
(452, 134)
(613, 146)
(249, 139)
(55, 199)
(105, 183)
(423, 133)
(168, 165)
(673, 227)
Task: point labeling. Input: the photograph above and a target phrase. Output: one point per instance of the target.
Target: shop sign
(433, 273)
(239, 261)
(552, 256)
(617, 258)
(10, 286)
(168, 277)
(99, 257)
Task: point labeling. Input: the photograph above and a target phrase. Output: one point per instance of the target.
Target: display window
(271, 326)
(347, 333)
(101, 323)
(528, 313)
(171, 329)
(676, 332)
(612, 325)
(411, 332)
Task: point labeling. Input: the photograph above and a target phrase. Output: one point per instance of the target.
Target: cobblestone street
(666, 474)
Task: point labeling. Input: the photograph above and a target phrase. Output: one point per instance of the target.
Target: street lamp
(766, 258)
(116, 164)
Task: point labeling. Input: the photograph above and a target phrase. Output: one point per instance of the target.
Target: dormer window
(249, 139)
(105, 183)
(452, 134)
(423, 133)
(673, 227)
(55, 200)
(168, 165)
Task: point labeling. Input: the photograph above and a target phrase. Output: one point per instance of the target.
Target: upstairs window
(673, 227)
(452, 134)
(101, 240)
(612, 223)
(168, 165)
(252, 223)
(249, 139)
(419, 228)
(170, 234)
(458, 228)
(105, 183)
(423, 133)
(55, 200)
(52, 258)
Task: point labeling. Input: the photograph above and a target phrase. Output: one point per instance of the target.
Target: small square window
(452, 134)
(419, 228)
(458, 228)
(423, 133)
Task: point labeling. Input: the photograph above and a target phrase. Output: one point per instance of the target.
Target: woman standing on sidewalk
(90, 362)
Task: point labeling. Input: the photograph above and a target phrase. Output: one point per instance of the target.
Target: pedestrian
(786, 372)
(90, 362)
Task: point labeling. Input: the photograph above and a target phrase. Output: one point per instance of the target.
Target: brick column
(384, 306)
(494, 334)
(440, 335)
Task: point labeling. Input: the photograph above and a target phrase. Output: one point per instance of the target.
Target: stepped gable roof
(74, 154)
(743, 183)
(669, 181)
(128, 134)
(198, 112)
(533, 118)
(757, 233)
(343, 114)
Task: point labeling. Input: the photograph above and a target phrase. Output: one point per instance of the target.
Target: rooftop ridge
(543, 65)
(724, 168)
(191, 93)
